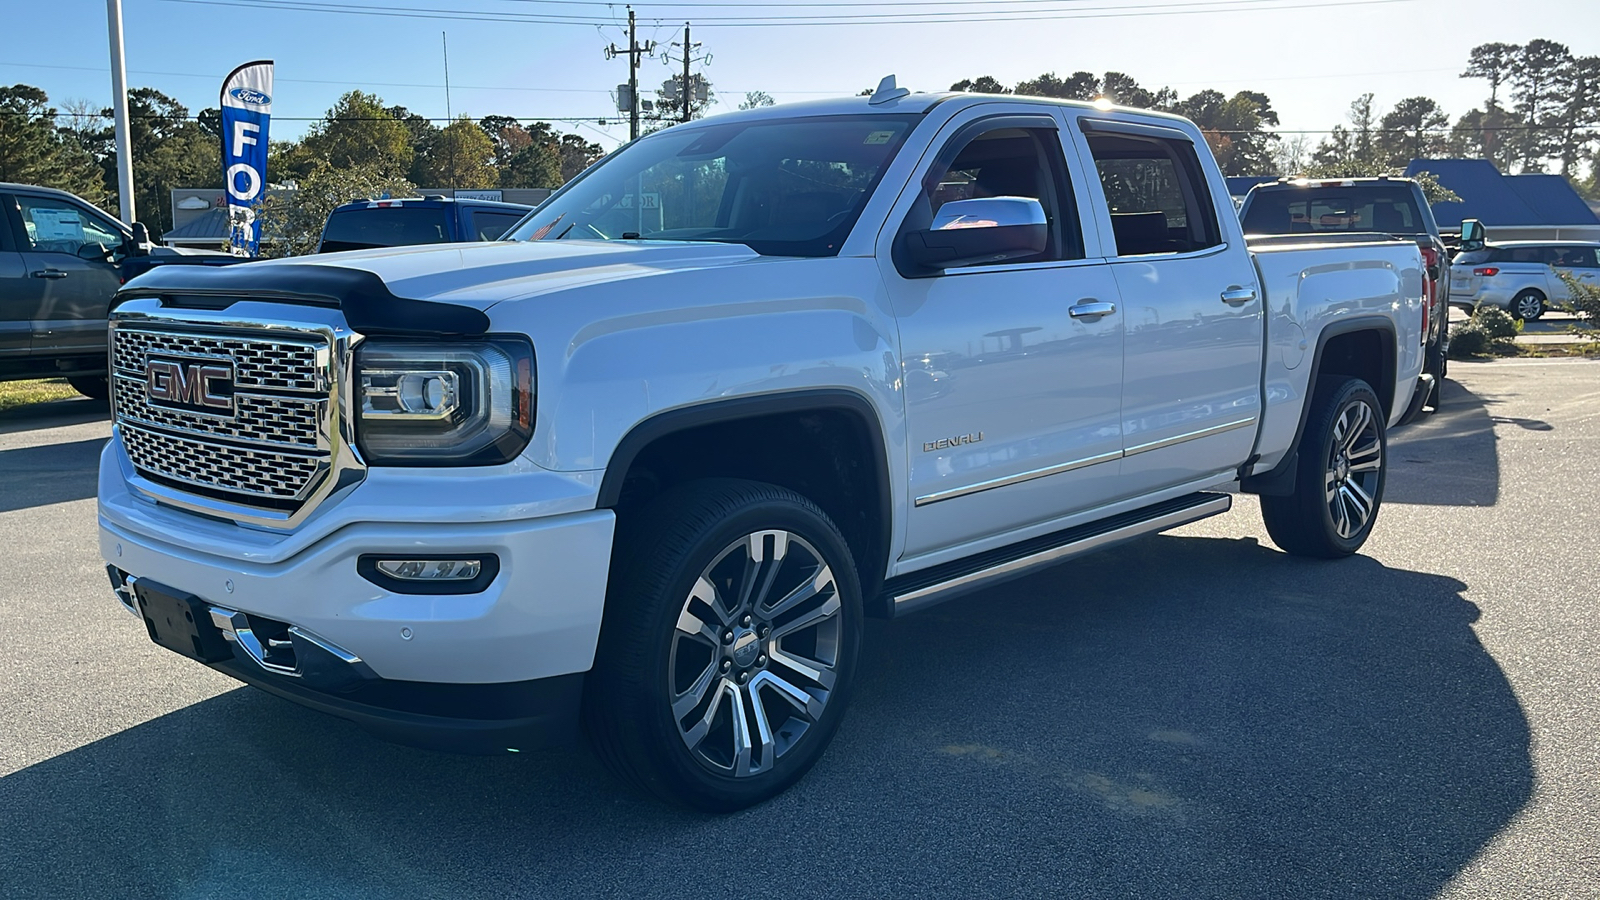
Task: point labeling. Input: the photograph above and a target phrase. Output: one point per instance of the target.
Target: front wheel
(728, 644)
(1339, 483)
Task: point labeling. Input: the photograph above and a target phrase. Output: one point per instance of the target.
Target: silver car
(1520, 276)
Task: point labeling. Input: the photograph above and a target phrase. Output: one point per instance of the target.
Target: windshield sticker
(56, 225)
(879, 137)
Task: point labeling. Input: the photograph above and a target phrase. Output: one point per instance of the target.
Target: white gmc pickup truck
(647, 463)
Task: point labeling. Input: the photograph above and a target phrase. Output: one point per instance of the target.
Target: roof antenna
(887, 91)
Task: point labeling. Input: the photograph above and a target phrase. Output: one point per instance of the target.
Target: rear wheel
(1528, 305)
(95, 387)
(1339, 483)
(728, 645)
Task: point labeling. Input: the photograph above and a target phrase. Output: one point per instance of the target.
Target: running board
(917, 590)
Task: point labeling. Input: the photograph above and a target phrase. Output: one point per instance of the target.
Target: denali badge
(203, 387)
(947, 443)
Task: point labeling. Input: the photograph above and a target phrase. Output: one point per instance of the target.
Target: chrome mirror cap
(988, 212)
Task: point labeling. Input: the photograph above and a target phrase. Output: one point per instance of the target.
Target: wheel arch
(765, 438)
(1343, 348)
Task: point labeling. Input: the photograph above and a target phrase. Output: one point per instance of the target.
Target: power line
(1184, 7)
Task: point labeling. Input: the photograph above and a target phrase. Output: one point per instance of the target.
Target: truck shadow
(50, 473)
(1196, 717)
(53, 414)
(1449, 457)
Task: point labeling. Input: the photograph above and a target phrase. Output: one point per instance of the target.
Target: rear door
(1191, 389)
(19, 299)
(72, 255)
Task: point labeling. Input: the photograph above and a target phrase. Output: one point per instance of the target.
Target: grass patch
(1545, 351)
(21, 393)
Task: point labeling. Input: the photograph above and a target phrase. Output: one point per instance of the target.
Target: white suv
(1520, 276)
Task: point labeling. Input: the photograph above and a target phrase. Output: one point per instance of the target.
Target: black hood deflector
(368, 305)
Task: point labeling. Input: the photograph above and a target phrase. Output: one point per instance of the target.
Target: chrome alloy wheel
(754, 653)
(1354, 469)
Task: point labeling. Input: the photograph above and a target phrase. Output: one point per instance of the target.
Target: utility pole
(634, 52)
(687, 89)
(119, 107)
(687, 94)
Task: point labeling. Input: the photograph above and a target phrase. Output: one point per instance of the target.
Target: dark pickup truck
(1337, 208)
(61, 260)
(365, 224)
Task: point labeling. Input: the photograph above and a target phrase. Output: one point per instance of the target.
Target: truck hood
(481, 275)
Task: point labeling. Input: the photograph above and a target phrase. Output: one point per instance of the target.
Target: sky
(1312, 57)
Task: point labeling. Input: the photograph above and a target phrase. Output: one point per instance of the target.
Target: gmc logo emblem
(200, 387)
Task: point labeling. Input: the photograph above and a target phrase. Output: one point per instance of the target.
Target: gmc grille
(271, 449)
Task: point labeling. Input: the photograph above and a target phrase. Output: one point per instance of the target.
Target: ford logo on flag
(250, 95)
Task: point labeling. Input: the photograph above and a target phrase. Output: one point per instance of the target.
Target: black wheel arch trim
(1280, 480)
(668, 422)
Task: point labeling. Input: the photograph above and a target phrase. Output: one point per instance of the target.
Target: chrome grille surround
(287, 446)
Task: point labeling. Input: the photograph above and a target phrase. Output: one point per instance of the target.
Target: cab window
(1156, 194)
(1011, 162)
(56, 226)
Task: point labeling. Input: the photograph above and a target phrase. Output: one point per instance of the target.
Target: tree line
(359, 144)
(1542, 114)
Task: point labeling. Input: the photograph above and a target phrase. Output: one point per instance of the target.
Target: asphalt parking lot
(1192, 715)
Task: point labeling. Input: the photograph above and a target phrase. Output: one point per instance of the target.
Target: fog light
(431, 569)
(466, 573)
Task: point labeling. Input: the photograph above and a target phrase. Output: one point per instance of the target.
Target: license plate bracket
(180, 622)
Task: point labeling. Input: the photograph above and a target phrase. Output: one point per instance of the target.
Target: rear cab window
(364, 227)
(490, 224)
(1386, 209)
(1156, 194)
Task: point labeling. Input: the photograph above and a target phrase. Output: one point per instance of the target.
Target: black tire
(1527, 306)
(698, 535)
(95, 387)
(1308, 522)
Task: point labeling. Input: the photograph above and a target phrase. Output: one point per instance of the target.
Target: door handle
(49, 273)
(1091, 309)
(1236, 295)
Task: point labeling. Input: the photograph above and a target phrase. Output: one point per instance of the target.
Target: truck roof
(432, 201)
(915, 103)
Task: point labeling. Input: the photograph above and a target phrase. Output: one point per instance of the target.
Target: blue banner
(246, 111)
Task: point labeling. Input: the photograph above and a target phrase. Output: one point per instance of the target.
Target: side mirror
(984, 230)
(1473, 236)
(141, 240)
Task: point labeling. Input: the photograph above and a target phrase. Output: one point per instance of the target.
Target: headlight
(427, 403)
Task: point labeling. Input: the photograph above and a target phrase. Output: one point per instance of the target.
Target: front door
(1012, 400)
(1191, 395)
(72, 280)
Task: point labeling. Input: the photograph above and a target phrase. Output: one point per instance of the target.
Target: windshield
(1392, 209)
(786, 187)
(384, 226)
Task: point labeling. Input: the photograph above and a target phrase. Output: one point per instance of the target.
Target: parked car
(1521, 277)
(1338, 208)
(650, 462)
(365, 224)
(61, 261)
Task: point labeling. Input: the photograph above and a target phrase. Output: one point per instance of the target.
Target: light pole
(119, 108)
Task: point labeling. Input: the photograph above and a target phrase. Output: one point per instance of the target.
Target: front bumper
(482, 671)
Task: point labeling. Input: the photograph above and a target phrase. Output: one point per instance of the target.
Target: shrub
(1499, 324)
(1584, 299)
(1469, 339)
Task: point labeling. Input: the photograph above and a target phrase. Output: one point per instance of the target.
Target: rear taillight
(1486, 270)
(1430, 288)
